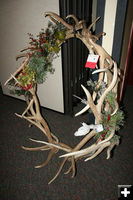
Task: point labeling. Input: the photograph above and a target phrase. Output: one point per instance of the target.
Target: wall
(17, 18)
(109, 24)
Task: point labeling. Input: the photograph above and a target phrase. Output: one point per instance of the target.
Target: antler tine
(54, 16)
(83, 23)
(108, 138)
(18, 70)
(83, 110)
(98, 151)
(21, 55)
(27, 48)
(92, 105)
(93, 23)
(75, 18)
(111, 86)
(100, 70)
(54, 20)
(100, 34)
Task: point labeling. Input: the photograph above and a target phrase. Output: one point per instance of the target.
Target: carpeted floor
(95, 180)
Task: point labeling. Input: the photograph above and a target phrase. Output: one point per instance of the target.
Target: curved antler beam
(74, 18)
(92, 24)
(92, 105)
(83, 110)
(111, 86)
(56, 17)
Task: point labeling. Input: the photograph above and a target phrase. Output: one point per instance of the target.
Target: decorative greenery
(47, 46)
(44, 48)
(92, 87)
(16, 90)
(26, 78)
(40, 66)
(111, 122)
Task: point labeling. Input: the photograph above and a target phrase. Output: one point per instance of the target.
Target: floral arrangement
(43, 49)
(110, 119)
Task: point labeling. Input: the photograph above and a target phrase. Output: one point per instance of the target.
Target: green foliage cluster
(91, 85)
(26, 78)
(40, 65)
(45, 47)
(15, 90)
(111, 122)
(110, 99)
(116, 120)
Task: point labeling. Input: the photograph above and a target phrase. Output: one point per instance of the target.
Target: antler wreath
(38, 57)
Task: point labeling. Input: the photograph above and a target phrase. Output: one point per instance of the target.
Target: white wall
(109, 25)
(17, 18)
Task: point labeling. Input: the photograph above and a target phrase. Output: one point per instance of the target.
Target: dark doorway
(74, 53)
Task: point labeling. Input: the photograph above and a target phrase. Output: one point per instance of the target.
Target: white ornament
(84, 129)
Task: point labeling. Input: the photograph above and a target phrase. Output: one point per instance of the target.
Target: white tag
(98, 128)
(92, 58)
(92, 61)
